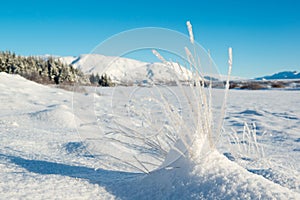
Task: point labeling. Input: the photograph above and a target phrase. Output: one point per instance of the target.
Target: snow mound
(59, 115)
(211, 177)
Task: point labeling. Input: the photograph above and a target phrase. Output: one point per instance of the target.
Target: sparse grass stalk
(204, 126)
(203, 110)
(246, 143)
(190, 29)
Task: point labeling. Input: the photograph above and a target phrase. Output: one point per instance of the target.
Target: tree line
(102, 80)
(48, 70)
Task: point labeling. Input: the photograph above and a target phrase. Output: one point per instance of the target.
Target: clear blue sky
(264, 34)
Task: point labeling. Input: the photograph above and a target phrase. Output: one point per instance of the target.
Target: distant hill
(282, 80)
(121, 69)
(281, 75)
(127, 71)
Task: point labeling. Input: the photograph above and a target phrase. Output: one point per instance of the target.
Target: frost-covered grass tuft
(153, 125)
(201, 139)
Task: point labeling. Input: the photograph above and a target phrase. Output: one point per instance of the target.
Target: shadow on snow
(164, 183)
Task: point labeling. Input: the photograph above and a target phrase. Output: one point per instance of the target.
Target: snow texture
(42, 156)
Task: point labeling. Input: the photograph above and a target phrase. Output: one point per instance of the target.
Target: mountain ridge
(281, 75)
(94, 63)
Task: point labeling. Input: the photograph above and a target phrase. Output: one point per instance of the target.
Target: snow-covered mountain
(281, 75)
(127, 70)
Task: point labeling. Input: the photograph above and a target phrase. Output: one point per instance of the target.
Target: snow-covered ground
(45, 133)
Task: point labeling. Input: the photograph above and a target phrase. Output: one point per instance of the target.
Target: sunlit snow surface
(44, 155)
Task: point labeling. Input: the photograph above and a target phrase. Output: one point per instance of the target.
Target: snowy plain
(43, 154)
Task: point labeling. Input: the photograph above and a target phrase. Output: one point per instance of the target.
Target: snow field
(43, 157)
